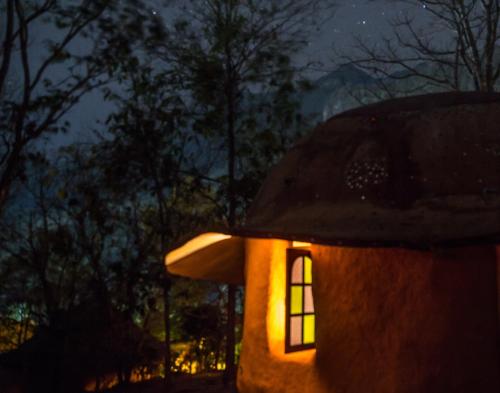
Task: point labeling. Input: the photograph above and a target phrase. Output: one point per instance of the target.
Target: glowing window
(300, 319)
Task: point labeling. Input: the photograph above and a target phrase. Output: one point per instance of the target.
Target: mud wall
(394, 320)
(388, 321)
(264, 366)
(498, 290)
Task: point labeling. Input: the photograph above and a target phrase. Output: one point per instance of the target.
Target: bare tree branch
(465, 52)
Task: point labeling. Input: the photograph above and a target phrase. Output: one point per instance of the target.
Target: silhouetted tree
(148, 156)
(75, 253)
(50, 84)
(235, 60)
(455, 48)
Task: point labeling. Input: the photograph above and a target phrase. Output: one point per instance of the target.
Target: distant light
(300, 244)
(154, 12)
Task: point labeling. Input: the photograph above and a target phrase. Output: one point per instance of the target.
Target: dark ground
(182, 384)
(211, 383)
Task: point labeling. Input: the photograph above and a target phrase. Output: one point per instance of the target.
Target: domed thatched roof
(417, 172)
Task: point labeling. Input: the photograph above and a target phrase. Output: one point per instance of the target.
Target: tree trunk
(162, 210)
(166, 319)
(97, 388)
(230, 87)
(8, 43)
(230, 373)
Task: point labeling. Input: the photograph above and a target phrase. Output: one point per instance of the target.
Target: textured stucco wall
(264, 367)
(388, 321)
(498, 289)
(393, 320)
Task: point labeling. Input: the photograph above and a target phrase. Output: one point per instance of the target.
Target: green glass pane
(308, 329)
(296, 300)
(307, 270)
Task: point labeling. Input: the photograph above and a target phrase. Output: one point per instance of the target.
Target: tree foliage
(66, 253)
(234, 58)
(35, 99)
(146, 156)
(201, 108)
(235, 61)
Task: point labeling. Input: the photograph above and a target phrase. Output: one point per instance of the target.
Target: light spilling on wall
(276, 317)
(296, 244)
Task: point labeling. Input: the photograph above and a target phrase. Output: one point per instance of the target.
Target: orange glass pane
(308, 299)
(307, 270)
(295, 330)
(297, 271)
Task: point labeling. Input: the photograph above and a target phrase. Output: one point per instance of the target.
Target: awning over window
(209, 256)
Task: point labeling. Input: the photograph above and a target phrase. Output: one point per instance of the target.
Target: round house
(370, 256)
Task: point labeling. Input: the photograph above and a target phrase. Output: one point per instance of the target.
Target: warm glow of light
(111, 380)
(276, 307)
(308, 329)
(300, 244)
(184, 363)
(195, 244)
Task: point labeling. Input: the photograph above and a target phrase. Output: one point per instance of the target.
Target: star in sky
(369, 20)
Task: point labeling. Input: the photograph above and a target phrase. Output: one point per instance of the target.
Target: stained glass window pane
(296, 300)
(308, 329)
(295, 330)
(308, 299)
(297, 271)
(307, 270)
(300, 306)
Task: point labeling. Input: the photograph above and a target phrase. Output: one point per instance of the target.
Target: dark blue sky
(367, 19)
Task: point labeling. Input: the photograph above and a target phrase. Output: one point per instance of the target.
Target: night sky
(367, 19)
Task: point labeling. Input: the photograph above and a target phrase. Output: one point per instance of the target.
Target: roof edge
(194, 245)
(421, 102)
(493, 240)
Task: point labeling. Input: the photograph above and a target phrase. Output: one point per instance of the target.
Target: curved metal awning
(210, 256)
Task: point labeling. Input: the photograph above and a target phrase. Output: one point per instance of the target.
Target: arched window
(300, 319)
